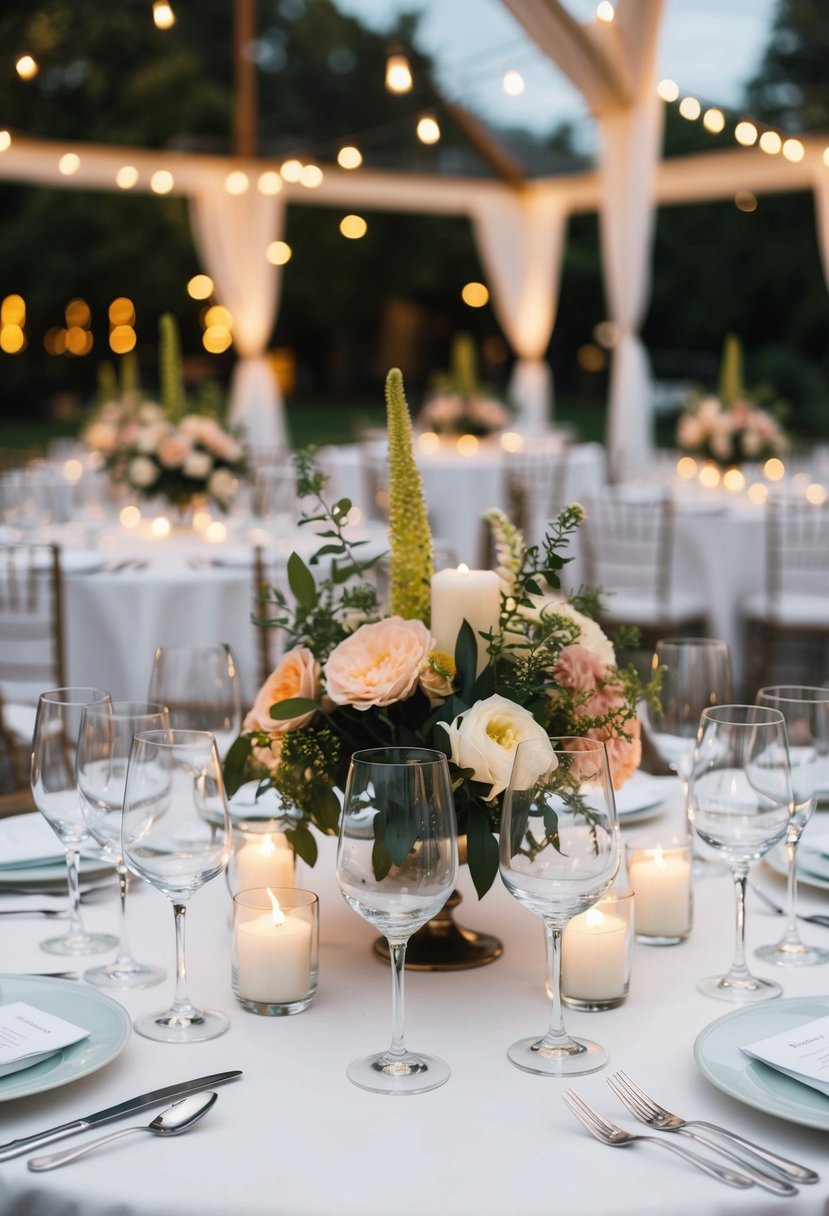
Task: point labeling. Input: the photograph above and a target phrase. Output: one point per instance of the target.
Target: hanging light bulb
(428, 130)
(163, 14)
(27, 67)
(398, 74)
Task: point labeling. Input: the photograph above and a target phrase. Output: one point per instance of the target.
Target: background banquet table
(293, 1136)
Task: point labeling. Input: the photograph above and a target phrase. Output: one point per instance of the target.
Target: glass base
(594, 1003)
(583, 1056)
(652, 939)
(275, 1009)
(409, 1074)
(170, 1027)
(793, 954)
(739, 991)
(73, 944)
(124, 978)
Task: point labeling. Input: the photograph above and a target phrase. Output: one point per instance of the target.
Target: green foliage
(170, 370)
(410, 566)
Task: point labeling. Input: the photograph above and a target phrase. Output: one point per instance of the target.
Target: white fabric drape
(821, 196)
(520, 238)
(231, 233)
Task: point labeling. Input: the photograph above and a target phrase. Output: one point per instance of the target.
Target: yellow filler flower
(410, 538)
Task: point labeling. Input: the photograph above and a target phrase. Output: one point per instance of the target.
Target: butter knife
(15, 1148)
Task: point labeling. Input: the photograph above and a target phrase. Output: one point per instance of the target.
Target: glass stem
(791, 936)
(124, 955)
(738, 969)
(76, 925)
(182, 1005)
(398, 958)
(556, 1035)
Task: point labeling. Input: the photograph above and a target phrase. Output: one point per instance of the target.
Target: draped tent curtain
(231, 233)
(520, 238)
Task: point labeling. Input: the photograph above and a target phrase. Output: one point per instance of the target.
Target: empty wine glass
(694, 673)
(397, 860)
(103, 755)
(560, 852)
(176, 835)
(200, 687)
(741, 801)
(806, 711)
(55, 793)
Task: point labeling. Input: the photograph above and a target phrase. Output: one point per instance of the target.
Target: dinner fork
(609, 1133)
(814, 919)
(657, 1116)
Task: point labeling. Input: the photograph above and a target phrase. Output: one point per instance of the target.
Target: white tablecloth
(294, 1137)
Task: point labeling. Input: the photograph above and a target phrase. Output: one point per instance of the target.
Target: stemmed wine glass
(397, 860)
(806, 711)
(176, 835)
(200, 687)
(741, 802)
(695, 673)
(560, 852)
(103, 754)
(55, 793)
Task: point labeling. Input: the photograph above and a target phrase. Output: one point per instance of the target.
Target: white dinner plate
(52, 877)
(236, 557)
(719, 1059)
(80, 561)
(643, 795)
(812, 868)
(108, 1024)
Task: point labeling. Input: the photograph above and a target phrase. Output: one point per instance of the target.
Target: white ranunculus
(142, 472)
(222, 485)
(197, 464)
(485, 736)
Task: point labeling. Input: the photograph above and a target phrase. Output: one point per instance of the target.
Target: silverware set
(88, 894)
(773, 906)
(756, 1164)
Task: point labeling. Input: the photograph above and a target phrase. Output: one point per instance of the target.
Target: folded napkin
(29, 1035)
(801, 1052)
(27, 840)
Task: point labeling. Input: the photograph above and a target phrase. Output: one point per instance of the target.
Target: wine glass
(741, 801)
(103, 754)
(806, 711)
(560, 851)
(55, 793)
(176, 835)
(694, 673)
(397, 860)
(200, 687)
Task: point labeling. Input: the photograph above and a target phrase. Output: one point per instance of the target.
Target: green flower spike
(410, 537)
(170, 372)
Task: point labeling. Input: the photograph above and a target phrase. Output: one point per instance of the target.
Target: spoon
(175, 1119)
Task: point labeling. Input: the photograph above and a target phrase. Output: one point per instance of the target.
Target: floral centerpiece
(158, 449)
(459, 405)
(355, 675)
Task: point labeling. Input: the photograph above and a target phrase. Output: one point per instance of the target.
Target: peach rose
(378, 664)
(173, 450)
(578, 668)
(297, 674)
(624, 751)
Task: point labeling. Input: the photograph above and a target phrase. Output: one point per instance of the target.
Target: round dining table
(293, 1136)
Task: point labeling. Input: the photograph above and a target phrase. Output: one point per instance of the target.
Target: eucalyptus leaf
(401, 830)
(303, 842)
(236, 762)
(381, 862)
(482, 849)
(301, 582)
(466, 659)
(293, 707)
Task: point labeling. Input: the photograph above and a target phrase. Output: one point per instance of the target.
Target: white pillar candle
(464, 594)
(273, 961)
(594, 956)
(263, 861)
(661, 882)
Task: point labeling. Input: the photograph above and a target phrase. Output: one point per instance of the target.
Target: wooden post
(244, 111)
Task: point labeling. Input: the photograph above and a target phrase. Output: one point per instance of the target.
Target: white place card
(802, 1053)
(28, 840)
(29, 1035)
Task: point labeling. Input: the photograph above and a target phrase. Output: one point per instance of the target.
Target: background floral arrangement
(355, 676)
(459, 405)
(158, 449)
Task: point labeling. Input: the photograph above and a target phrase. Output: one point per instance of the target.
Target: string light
(668, 90)
(475, 295)
(27, 67)
(793, 150)
(770, 142)
(428, 130)
(353, 227)
(398, 74)
(68, 164)
(745, 133)
(713, 120)
(237, 182)
(278, 253)
(744, 200)
(163, 15)
(269, 182)
(291, 170)
(200, 287)
(5, 141)
(349, 157)
(311, 176)
(605, 11)
(162, 182)
(690, 108)
(126, 177)
(513, 83)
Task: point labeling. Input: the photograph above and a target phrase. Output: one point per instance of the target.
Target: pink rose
(297, 674)
(378, 664)
(172, 451)
(578, 668)
(624, 751)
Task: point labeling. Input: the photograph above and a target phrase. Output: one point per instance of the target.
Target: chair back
(537, 488)
(797, 550)
(628, 545)
(31, 621)
(269, 639)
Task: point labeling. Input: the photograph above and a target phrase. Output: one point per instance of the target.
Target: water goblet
(560, 851)
(55, 794)
(695, 673)
(806, 711)
(176, 835)
(741, 802)
(397, 860)
(104, 745)
(200, 687)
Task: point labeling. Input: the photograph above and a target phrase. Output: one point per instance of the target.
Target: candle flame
(267, 847)
(278, 914)
(463, 568)
(659, 857)
(593, 918)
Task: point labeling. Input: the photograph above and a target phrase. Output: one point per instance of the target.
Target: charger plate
(720, 1060)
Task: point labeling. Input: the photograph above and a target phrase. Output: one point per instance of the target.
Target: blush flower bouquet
(356, 674)
(459, 405)
(730, 434)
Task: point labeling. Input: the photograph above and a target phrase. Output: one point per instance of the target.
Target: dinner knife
(15, 1148)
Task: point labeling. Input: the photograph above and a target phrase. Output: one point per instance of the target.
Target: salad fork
(609, 1133)
(813, 919)
(657, 1116)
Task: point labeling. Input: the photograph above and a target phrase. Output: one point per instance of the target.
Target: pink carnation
(624, 751)
(578, 668)
(378, 664)
(297, 674)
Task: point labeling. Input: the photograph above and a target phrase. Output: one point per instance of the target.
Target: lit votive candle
(659, 873)
(275, 947)
(261, 857)
(596, 953)
(464, 594)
